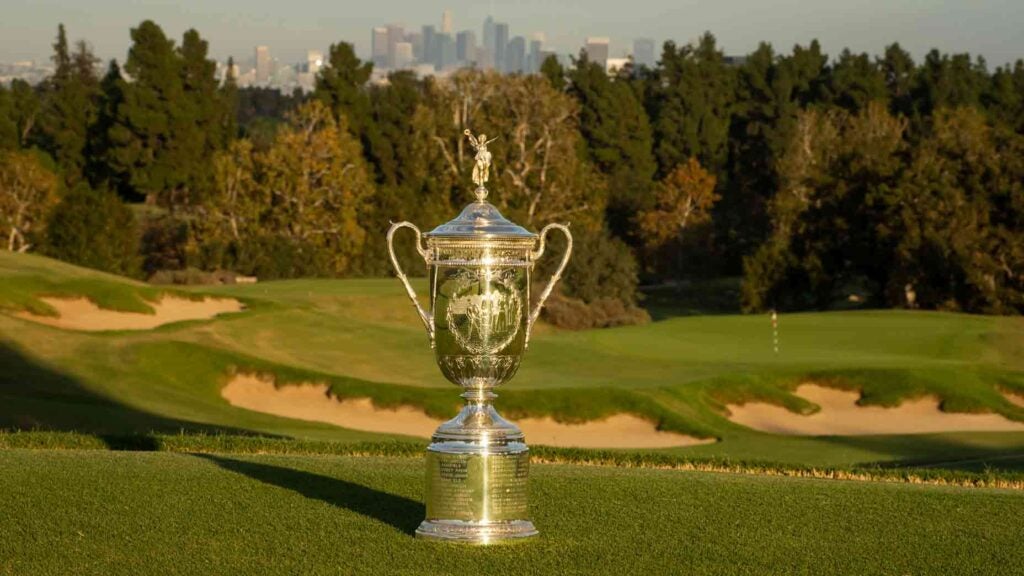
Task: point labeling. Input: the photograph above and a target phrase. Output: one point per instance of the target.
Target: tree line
(873, 180)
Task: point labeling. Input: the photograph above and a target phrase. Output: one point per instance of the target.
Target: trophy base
(475, 532)
(477, 470)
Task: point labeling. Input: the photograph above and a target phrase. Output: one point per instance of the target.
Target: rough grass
(111, 513)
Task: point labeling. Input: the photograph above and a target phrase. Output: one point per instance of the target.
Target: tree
(683, 199)
(26, 110)
(617, 136)
(143, 142)
(341, 84)
(691, 105)
(94, 228)
(855, 80)
(554, 72)
(319, 185)
(69, 107)
(28, 190)
(898, 68)
(8, 120)
(837, 176)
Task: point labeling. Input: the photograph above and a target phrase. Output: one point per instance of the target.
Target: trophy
(479, 267)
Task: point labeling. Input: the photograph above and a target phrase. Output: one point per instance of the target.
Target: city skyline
(987, 28)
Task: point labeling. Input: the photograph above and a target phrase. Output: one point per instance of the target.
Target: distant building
(735, 60)
(446, 22)
(488, 48)
(643, 52)
(395, 35)
(379, 47)
(533, 58)
(515, 55)
(500, 45)
(429, 45)
(416, 39)
(404, 58)
(264, 65)
(314, 61)
(446, 57)
(465, 47)
(597, 49)
(613, 65)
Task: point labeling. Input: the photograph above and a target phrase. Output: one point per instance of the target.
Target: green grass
(109, 513)
(363, 339)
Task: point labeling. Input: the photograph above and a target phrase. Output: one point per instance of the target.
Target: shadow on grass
(965, 451)
(399, 512)
(34, 396)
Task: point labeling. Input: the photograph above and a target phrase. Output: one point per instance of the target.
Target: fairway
(360, 340)
(165, 513)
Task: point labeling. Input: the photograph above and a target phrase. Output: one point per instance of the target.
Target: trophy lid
(481, 219)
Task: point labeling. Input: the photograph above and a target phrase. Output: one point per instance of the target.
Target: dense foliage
(824, 182)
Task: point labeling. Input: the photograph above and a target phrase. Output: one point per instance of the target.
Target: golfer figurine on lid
(479, 322)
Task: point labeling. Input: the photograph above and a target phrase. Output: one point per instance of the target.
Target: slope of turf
(145, 513)
(362, 338)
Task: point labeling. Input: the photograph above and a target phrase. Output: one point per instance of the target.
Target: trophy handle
(428, 322)
(534, 256)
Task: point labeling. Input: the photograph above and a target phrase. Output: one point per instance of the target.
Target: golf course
(278, 427)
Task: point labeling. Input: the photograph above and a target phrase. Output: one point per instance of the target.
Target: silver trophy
(479, 268)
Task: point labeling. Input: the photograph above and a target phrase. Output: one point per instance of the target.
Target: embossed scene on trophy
(484, 309)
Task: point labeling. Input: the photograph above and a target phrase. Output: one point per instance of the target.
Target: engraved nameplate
(477, 488)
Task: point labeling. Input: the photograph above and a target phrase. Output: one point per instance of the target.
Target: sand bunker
(1015, 398)
(841, 416)
(313, 402)
(83, 314)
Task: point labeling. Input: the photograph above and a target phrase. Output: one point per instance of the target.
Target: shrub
(94, 228)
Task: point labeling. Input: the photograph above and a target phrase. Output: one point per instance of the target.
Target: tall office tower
(597, 50)
(643, 52)
(533, 59)
(446, 22)
(264, 65)
(314, 61)
(429, 52)
(500, 45)
(515, 55)
(416, 39)
(395, 35)
(403, 56)
(488, 38)
(465, 47)
(445, 48)
(379, 47)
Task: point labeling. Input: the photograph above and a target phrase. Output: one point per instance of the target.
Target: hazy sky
(991, 28)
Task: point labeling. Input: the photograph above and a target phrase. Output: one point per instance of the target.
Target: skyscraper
(446, 22)
(488, 38)
(515, 55)
(465, 47)
(264, 65)
(500, 45)
(597, 50)
(403, 55)
(395, 35)
(445, 49)
(643, 52)
(533, 57)
(379, 47)
(429, 48)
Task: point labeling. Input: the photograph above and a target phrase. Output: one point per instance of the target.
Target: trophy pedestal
(477, 471)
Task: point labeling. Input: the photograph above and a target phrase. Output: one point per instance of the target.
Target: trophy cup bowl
(479, 322)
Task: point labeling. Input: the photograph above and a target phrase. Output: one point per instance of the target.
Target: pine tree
(554, 72)
(69, 107)
(855, 80)
(691, 107)
(8, 120)
(144, 147)
(341, 85)
(617, 136)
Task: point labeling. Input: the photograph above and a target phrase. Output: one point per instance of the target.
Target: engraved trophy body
(479, 322)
